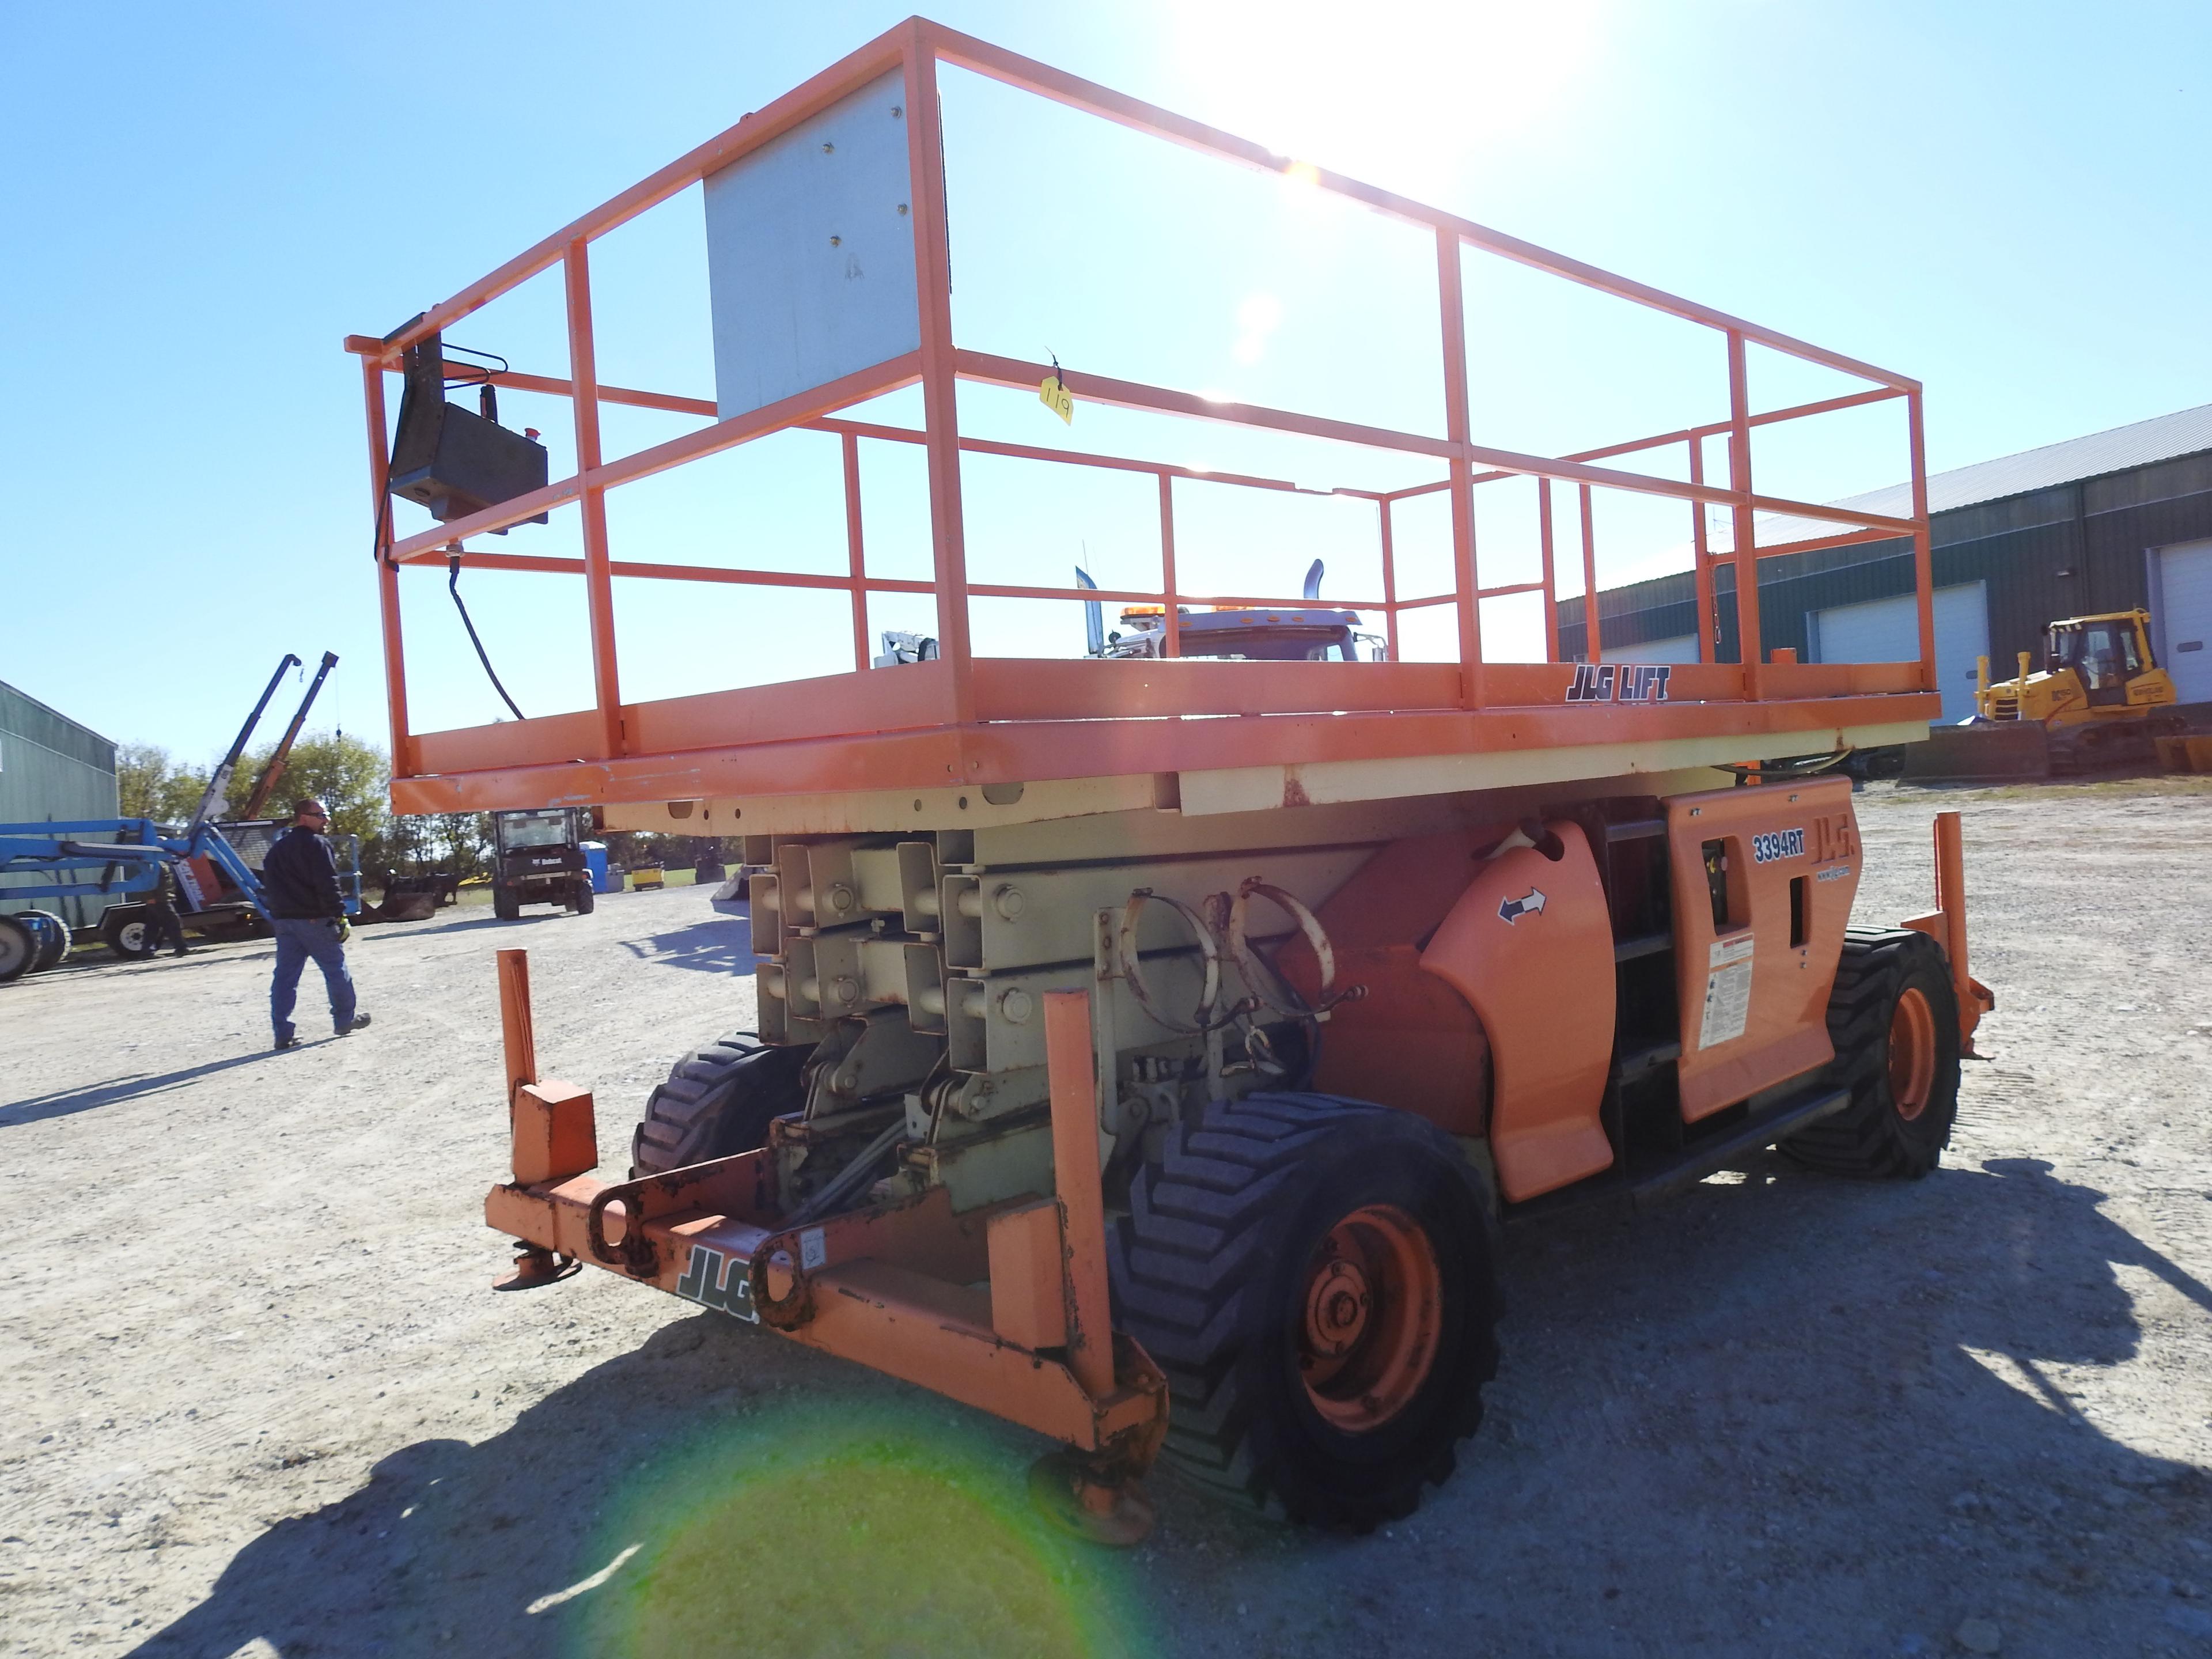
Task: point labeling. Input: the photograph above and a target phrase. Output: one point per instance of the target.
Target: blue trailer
(218, 885)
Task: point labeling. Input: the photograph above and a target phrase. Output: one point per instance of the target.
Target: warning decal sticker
(1728, 991)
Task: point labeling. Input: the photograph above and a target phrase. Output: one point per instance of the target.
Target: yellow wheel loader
(2100, 700)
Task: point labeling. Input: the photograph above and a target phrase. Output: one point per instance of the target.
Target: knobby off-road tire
(717, 1101)
(584, 898)
(505, 904)
(54, 937)
(1893, 1018)
(1236, 1244)
(19, 949)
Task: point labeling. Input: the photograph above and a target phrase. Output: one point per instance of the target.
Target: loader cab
(537, 858)
(2105, 652)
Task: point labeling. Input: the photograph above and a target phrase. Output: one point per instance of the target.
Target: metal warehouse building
(2107, 522)
(52, 771)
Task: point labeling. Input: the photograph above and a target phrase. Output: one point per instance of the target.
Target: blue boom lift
(218, 886)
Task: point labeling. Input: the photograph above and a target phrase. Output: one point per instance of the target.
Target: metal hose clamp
(1209, 948)
(1262, 979)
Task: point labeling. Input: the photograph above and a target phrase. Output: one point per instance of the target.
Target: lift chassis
(1152, 1042)
(1271, 1080)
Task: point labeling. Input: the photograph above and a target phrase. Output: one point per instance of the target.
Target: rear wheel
(53, 938)
(1317, 1277)
(19, 949)
(505, 904)
(717, 1101)
(586, 899)
(1893, 1018)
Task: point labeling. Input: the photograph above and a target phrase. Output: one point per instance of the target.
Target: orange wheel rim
(1912, 1054)
(1369, 1318)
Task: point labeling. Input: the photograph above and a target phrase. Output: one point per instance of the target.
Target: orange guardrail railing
(961, 692)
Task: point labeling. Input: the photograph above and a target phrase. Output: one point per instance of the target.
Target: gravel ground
(261, 1400)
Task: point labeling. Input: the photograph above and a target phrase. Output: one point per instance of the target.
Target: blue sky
(2002, 201)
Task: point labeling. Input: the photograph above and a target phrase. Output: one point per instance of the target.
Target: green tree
(351, 778)
(153, 785)
(462, 842)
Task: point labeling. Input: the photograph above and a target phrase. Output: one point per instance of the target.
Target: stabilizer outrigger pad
(534, 1267)
(1076, 1498)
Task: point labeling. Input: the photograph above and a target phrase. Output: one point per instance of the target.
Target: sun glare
(1408, 96)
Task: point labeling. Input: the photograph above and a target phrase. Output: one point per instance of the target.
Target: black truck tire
(505, 904)
(19, 950)
(1317, 1277)
(1894, 1018)
(586, 899)
(717, 1101)
(53, 938)
(129, 933)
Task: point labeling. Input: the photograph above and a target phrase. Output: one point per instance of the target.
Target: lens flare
(862, 1529)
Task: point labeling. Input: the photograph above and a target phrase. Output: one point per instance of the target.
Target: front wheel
(1894, 1018)
(586, 899)
(504, 905)
(1317, 1278)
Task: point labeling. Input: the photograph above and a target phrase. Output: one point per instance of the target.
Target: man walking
(300, 884)
(161, 912)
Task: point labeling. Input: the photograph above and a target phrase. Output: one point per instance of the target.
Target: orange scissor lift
(1153, 1079)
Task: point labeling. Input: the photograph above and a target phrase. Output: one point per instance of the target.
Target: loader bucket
(1979, 753)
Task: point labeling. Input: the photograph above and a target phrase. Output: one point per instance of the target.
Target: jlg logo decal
(1620, 682)
(710, 1283)
(1834, 838)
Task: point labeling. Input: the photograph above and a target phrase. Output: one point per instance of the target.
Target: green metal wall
(52, 771)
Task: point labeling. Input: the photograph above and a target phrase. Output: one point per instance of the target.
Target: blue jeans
(298, 939)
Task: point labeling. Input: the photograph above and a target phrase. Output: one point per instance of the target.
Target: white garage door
(1889, 630)
(2182, 608)
(1680, 647)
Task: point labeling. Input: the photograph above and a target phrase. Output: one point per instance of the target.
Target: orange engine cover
(1529, 945)
(1758, 928)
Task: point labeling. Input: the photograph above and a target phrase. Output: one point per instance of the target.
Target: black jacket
(300, 876)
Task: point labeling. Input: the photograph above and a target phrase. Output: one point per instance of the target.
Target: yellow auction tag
(1055, 396)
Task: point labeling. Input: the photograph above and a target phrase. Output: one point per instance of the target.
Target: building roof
(2159, 439)
(2164, 437)
(23, 716)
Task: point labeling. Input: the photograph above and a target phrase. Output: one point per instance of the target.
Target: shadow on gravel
(718, 944)
(68, 1101)
(442, 929)
(675, 1500)
(1857, 1411)
(1787, 1414)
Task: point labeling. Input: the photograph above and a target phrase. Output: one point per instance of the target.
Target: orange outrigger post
(892, 1287)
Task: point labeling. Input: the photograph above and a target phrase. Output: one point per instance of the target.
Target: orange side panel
(1529, 944)
(1028, 1305)
(1754, 999)
(1412, 1042)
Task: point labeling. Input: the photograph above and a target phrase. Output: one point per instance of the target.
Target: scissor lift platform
(963, 732)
